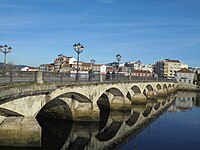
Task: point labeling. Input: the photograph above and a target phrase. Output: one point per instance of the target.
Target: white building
(171, 67)
(184, 65)
(29, 69)
(72, 60)
(103, 69)
(134, 65)
(148, 67)
(63, 63)
(185, 76)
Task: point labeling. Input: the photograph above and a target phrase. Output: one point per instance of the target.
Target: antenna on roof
(196, 66)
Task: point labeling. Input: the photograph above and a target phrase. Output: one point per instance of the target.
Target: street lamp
(118, 57)
(92, 63)
(90, 72)
(79, 49)
(5, 49)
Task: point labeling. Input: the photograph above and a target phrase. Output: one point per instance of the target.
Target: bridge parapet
(11, 92)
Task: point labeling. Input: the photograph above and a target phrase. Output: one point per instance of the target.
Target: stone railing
(188, 86)
(62, 77)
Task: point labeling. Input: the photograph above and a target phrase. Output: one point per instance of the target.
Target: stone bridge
(106, 134)
(80, 102)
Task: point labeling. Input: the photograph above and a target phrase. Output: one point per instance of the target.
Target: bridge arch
(114, 91)
(136, 89)
(56, 108)
(103, 102)
(76, 92)
(149, 87)
(133, 119)
(69, 106)
(165, 86)
(138, 95)
(115, 96)
(158, 86)
(109, 132)
(75, 96)
(147, 111)
(157, 106)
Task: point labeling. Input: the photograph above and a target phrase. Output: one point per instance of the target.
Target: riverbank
(188, 87)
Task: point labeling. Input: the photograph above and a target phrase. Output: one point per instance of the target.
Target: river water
(171, 123)
(176, 129)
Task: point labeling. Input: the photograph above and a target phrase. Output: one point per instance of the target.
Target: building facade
(171, 67)
(141, 73)
(46, 67)
(159, 69)
(185, 76)
(167, 68)
(134, 65)
(63, 63)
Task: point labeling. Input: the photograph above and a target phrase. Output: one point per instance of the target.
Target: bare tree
(10, 67)
(1, 71)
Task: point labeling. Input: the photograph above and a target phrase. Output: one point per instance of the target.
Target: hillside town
(166, 68)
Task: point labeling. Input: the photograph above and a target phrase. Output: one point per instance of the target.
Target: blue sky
(146, 30)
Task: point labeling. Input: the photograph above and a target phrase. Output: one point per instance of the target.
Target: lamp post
(5, 49)
(118, 57)
(92, 63)
(78, 48)
(90, 73)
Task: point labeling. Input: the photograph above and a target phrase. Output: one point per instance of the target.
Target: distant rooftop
(184, 70)
(171, 60)
(141, 71)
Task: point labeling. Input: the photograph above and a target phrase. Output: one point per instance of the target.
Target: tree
(9, 67)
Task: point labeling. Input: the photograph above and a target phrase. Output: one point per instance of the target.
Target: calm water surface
(176, 128)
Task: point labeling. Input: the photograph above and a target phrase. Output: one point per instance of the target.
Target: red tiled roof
(33, 68)
(168, 60)
(184, 70)
(86, 64)
(141, 71)
(47, 65)
(89, 64)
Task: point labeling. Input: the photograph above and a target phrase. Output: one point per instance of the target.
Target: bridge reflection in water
(112, 129)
